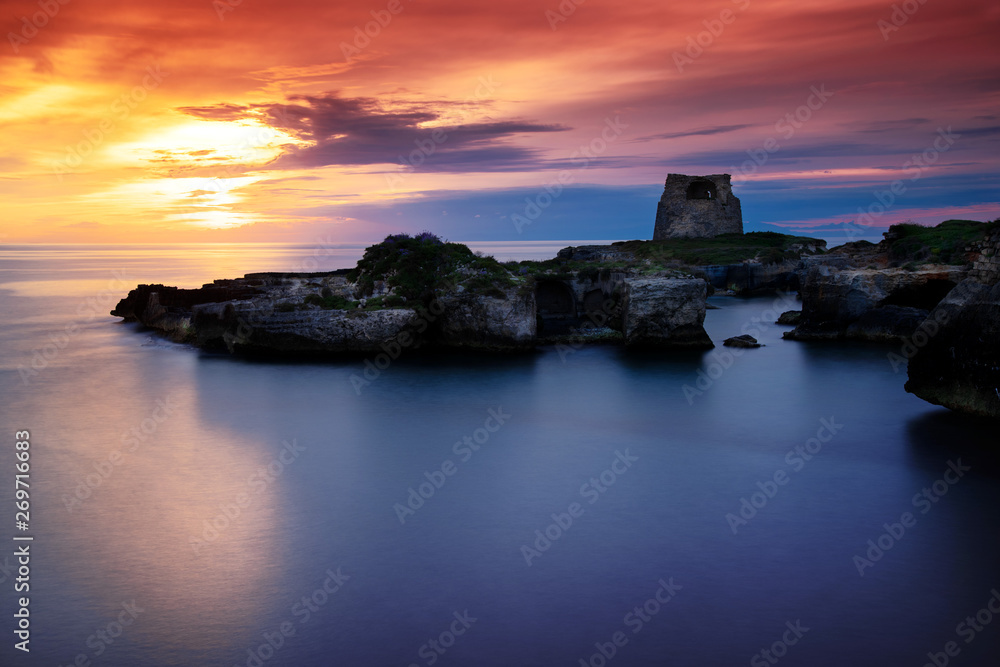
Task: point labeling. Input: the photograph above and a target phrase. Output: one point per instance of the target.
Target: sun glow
(222, 145)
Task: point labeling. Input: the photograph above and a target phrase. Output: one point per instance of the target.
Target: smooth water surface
(217, 497)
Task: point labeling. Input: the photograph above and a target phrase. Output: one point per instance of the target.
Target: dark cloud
(890, 125)
(978, 132)
(701, 132)
(362, 131)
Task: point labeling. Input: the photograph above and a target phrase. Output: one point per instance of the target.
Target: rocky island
(931, 291)
(424, 292)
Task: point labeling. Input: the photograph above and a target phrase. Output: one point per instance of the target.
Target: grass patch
(909, 244)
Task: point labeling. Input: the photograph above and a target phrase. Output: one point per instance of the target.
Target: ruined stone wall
(697, 206)
(986, 267)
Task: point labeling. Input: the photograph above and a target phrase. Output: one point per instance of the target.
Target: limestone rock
(665, 312)
(257, 327)
(488, 322)
(870, 304)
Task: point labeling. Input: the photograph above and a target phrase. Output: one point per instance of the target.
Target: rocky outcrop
(665, 312)
(317, 314)
(488, 322)
(958, 366)
(697, 206)
(790, 317)
(956, 351)
(870, 304)
(168, 309)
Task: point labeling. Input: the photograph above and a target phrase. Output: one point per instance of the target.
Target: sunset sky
(260, 120)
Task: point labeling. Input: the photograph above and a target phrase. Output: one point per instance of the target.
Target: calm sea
(791, 505)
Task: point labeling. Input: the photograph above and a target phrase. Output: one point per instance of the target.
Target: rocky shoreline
(944, 316)
(278, 314)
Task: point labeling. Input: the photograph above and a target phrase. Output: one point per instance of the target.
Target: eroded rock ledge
(870, 304)
(287, 314)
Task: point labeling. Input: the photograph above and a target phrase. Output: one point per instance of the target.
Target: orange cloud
(149, 121)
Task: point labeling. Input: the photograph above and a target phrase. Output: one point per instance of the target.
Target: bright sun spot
(203, 143)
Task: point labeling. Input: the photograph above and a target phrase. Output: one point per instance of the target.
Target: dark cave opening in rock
(556, 307)
(925, 296)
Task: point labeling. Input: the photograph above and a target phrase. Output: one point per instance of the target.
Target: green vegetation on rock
(414, 267)
(330, 301)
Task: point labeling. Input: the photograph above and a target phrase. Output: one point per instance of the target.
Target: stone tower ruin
(697, 206)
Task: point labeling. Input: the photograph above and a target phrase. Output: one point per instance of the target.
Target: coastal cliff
(956, 351)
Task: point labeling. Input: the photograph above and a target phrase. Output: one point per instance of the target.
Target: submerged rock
(742, 341)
